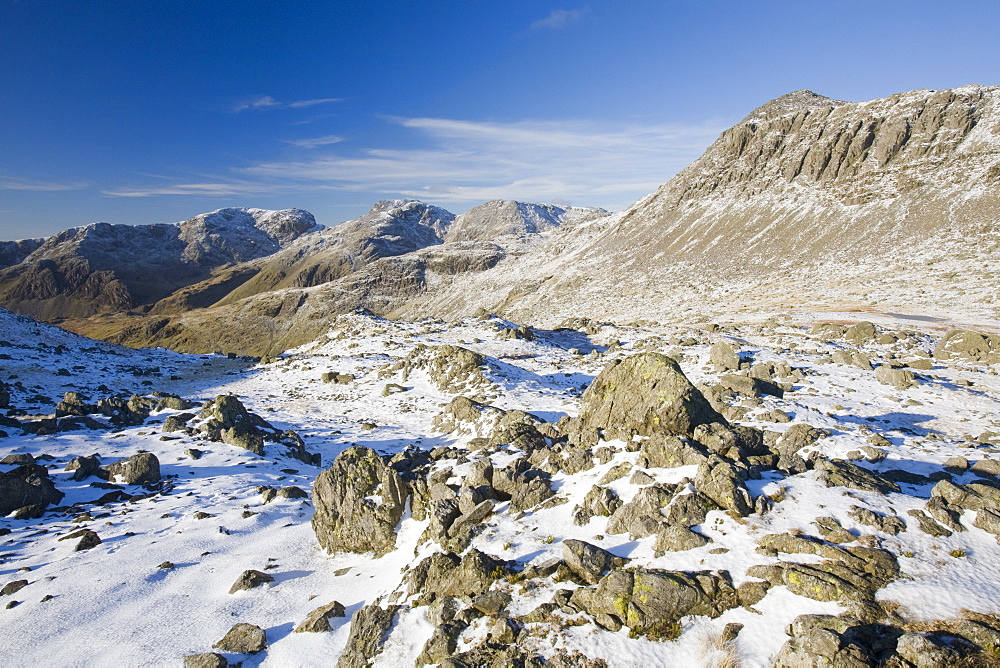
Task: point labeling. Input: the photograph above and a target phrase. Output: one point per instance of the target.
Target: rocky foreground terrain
(483, 493)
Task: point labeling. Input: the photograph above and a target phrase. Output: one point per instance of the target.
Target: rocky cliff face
(807, 201)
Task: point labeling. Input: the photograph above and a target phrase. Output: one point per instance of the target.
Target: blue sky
(148, 111)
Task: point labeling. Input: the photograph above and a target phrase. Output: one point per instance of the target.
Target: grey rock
(358, 503)
(928, 525)
(642, 516)
(841, 473)
(650, 602)
(598, 501)
(677, 538)
(587, 561)
(369, 626)
(890, 524)
(140, 469)
(250, 579)
(318, 620)
(723, 483)
(898, 378)
(670, 452)
(13, 587)
(27, 485)
(644, 394)
(205, 660)
(243, 638)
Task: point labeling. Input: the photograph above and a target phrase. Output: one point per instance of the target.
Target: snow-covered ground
(116, 604)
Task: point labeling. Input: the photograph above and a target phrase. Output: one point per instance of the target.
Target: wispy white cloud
(461, 161)
(16, 183)
(559, 18)
(268, 102)
(314, 142)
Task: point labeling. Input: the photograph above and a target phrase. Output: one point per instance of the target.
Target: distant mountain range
(808, 203)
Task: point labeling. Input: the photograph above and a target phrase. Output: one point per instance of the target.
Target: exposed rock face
(359, 501)
(646, 394)
(498, 219)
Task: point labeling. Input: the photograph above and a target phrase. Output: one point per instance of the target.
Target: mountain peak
(788, 103)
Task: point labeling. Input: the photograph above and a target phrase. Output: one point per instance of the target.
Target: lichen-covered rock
(677, 538)
(796, 437)
(723, 483)
(650, 602)
(445, 574)
(243, 638)
(358, 503)
(142, 468)
(599, 501)
(587, 561)
(369, 626)
(643, 515)
(724, 357)
(645, 394)
(226, 419)
(670, 452)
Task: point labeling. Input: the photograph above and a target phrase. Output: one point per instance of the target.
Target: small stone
(167, 565)
(13, 587)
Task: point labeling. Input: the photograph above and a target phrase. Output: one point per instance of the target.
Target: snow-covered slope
(157, 586)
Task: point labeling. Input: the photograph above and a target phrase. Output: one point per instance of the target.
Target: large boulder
(226, 419)
(139, 469)
(651, 602)
(970, 346)
(27, 485)
(358, 501)
(646, 394)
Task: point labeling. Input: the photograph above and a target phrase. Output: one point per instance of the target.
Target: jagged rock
(292, 492)
(445, 574)
(841, 473)
(986, 467)
(645, 394)
(140, 469)
(852, 358)
(451, 368)
(358, 501)
(642, 516)
(599, 501)
(650, 602)
(369, 626)
(832, 530)
(677, 538)
(176, 422)
(243, 638)
(88, 540)
(923, 652)
(861, 332)
(17, 459)
(898, 378)
(588, 561)
(318, 620)
(337, 378)
(796, 437)
(226, 419)
(74, 403)
(723, 483)
(723, 356)
(670, 452)
(750, 387)
(27, 485)
(250, 579)
(970, 346)
(442, 644)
